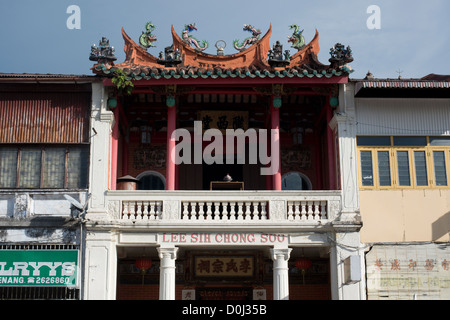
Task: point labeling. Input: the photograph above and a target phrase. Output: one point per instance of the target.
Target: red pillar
(275, 133)
(170, 163)
(331, 154)
(114, 149)
(317, 140)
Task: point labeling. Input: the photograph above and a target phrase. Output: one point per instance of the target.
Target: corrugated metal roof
(408, 84)
(44, 117)
(45, 77)
(399, 84)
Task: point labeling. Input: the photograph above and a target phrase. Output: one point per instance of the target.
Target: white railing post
(263, 210)
(277, 210)
(171, 210)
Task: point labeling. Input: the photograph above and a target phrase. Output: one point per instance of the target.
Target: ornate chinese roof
(255, 58)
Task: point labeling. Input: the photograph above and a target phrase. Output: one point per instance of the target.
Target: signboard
(408, 272)
(234, 238)
(222, 120)
(230, 266)
(224, 294)
(39, 268)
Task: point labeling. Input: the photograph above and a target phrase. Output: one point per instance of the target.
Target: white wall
(402, 116)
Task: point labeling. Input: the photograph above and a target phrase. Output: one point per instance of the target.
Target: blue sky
(413, 38)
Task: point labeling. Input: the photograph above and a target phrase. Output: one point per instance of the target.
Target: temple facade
(223, 173)
(196, 176)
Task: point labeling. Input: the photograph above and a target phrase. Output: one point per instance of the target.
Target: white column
(167, 273)
(102, 121)
(280, 259)
(344, 124)
(100, 265)
(346, 243)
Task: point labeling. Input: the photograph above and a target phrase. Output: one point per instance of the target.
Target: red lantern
(143, 264)
(303, 264)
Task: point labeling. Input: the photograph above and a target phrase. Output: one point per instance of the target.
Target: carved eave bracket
(276, 90)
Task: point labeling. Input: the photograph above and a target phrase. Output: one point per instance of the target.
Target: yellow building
(403, 151)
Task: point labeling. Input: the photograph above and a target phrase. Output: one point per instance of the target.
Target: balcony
(217, 207)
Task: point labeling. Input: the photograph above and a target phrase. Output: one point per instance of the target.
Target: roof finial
(220, 45)
(369, 76)
(104, 53)
(399, 74)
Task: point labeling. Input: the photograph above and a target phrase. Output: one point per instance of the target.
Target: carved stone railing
(221, 206)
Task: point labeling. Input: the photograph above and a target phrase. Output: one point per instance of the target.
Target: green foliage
(122, 84)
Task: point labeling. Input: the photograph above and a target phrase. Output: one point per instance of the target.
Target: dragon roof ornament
(297, 39)
(191, 40)
(185, 57)
(147, 38)
(247, 41)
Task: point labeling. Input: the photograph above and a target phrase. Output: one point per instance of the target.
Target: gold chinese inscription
(222, 120)
(224, 266)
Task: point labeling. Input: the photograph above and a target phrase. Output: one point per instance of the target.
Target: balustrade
(233, 206)
(224, 210)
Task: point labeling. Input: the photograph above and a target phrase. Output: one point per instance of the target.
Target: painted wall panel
(383, 116)
(405, 215)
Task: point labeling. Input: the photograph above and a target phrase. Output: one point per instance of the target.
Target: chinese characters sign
(233, 266)
(408, 272)
(223, 120)
(149, 158)
(39, 268)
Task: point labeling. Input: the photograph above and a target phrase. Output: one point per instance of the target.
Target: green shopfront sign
(39, 268)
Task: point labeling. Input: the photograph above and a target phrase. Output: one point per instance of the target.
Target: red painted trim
(330, 149)
(235, 81)
(224, 90)
(318, 155)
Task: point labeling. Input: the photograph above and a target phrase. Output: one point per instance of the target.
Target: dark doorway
(216, 172)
